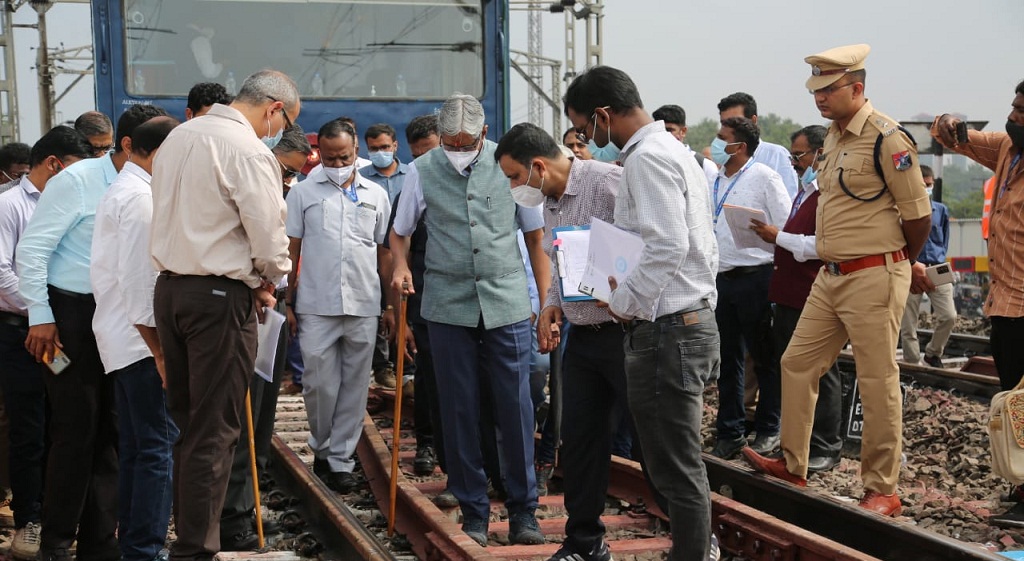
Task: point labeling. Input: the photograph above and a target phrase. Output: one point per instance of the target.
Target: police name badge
(902, 160)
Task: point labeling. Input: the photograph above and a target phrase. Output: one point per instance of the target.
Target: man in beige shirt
(218, 239)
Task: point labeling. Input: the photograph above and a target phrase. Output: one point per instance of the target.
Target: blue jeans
(668, 364)
(744, 321)
(147, 434)
(25, 399)
(462, 355)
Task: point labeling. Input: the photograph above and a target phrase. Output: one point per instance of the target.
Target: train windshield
(422, 49)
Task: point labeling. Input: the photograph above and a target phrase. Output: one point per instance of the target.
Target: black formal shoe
(1013, 518)
(818, 464)
(765, 443)
(424, 463)
(59, 554)
(246, 540)
(342, 482)
(270, 526)
(727, 449)
(321, 469)
(933, 361)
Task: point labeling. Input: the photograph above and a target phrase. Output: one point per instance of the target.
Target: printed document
(268, 335)
(739, 218)
(613, 252)
(571, 247)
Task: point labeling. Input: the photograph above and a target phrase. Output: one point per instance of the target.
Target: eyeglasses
(464, 148)
(287, 119)
(829, 90)
(286, 172)
(796, 157)
(101, 150)
(581, 133)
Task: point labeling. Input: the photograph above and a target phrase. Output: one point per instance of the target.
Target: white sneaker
(6, 514)
(26, 542)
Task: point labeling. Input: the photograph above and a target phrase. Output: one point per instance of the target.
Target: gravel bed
(946, 484)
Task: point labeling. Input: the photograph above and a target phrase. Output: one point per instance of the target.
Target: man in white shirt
(770, 154)
(743, 313)
(671, 348)
(20, 375)
(122, 278)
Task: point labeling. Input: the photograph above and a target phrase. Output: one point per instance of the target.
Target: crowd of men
(136, 263)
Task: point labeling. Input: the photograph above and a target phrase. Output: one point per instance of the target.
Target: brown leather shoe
(775, 468)
(886, 505)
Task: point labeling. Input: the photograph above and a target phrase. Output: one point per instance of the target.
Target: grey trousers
(944, 313)
(337, 352)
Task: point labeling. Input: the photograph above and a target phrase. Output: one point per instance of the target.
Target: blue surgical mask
(607, 153)
(382, 158)
(271, 141)
(718, 153)
(809, 176)
(928, 190)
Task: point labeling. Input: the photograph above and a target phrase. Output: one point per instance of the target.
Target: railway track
(755, 518)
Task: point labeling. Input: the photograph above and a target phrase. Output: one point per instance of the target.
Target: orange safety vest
(989, 188)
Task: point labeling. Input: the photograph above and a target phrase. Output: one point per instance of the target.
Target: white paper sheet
(613, 252)
(571, 260)
(268, 336)
(739, 218)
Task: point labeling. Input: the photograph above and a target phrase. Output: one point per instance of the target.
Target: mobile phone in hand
(59, 363)
(961, 132)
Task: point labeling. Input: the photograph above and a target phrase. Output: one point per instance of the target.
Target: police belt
(847, 267)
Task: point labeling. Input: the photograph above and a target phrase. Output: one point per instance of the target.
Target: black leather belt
(597, 326)
(69, 294)
(743, 271)
(15, 320)
(685, 317)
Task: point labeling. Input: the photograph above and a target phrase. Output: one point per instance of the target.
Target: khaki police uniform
(865, 305)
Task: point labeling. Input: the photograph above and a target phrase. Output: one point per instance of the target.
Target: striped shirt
(995, 151)
(664, 198)
(590, 191)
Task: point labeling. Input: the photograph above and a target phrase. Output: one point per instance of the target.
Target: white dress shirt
(802, 247)
(16, 208)
(709, 167)
(121, 273)
(753, 186)
(663, 196)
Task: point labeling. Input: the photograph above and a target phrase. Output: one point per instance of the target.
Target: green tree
(774, 129)
(962, 189)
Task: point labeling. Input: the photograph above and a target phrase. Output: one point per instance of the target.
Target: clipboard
(571, 246)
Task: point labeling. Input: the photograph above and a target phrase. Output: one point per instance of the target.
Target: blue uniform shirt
(393, 184)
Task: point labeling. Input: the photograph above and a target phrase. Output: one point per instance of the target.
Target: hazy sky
(926, 55)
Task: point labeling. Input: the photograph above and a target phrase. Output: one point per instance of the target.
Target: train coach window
(332, 48)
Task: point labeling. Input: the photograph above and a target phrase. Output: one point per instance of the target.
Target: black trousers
(207, 328)
(427, 412)
(81, 469)
(828, 413)
(595, 381)
(239, 502)
(1007, 342)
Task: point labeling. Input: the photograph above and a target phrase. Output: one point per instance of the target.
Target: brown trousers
(207, 328)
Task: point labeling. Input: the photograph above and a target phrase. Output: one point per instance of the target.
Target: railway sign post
(855, 412)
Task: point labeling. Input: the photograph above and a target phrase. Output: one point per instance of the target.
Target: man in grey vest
(477, 309)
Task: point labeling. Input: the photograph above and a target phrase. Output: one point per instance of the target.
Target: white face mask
(339, 175)
(528, 196)
(461, 160)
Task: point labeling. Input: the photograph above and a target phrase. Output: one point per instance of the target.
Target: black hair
(858, 76)
(205, 94)
(148, 136)
(926, 171)
(62, 141)
(602, 86)
(815, 135)
(93, 123)
(380, 128)
(1020, 88)
(570, 130)
(293, 140)
(421, 127)
(335, 127)
(134, 116)
(739, 98)
(14, 153)
(744, 130)
(524, 142)
(670, 114)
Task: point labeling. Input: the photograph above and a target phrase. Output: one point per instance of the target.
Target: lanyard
(797, 201)
(720, 204)
(350, 192)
